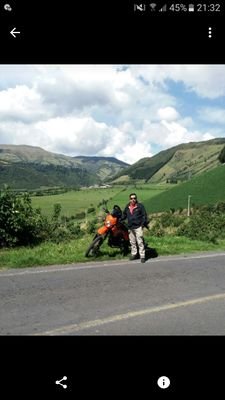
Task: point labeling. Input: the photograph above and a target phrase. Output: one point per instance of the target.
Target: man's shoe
(142, 260)
(133, 257)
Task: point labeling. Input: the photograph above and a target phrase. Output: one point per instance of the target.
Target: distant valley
(29, 167)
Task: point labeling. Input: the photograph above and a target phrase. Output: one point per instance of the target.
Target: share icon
(59, 382)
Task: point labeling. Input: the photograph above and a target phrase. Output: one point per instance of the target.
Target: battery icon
(191, 7)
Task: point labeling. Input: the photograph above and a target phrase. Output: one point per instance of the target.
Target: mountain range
(29, 167)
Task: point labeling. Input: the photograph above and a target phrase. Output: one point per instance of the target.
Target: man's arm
(124, 214)
(144, 218)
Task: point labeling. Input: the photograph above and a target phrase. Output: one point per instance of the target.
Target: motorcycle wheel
(94, 247)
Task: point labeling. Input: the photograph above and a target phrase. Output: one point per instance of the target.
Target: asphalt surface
(175, 295)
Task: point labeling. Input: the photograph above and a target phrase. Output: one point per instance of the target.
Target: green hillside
(147, 167)
(179, 163)
(103, 167)
(207, 188)
(33, 176)
(10, 154)
(30, 167)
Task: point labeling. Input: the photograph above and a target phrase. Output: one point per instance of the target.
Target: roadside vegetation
(72, 251)
(28, 237)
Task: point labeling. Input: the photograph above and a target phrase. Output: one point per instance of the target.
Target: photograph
(112, 197)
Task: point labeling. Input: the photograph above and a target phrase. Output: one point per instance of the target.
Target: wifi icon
(153, 6)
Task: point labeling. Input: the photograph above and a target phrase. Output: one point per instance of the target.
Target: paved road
(176, 295)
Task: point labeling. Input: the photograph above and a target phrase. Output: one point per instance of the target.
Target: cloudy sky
(125, 111)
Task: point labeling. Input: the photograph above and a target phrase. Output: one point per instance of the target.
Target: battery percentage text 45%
(178, 7)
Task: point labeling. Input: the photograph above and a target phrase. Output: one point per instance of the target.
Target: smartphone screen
(142, 32)
(118, 83)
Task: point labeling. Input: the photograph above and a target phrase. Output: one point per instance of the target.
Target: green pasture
(208, 188)
(76, 201)
(143, 192)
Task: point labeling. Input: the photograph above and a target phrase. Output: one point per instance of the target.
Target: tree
(222, 155)
(20, 224)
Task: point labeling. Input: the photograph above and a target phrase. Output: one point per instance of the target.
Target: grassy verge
(73, 251)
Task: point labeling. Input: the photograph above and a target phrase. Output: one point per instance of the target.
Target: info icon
(163, 382)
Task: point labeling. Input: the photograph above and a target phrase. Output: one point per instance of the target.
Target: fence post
(189, 201)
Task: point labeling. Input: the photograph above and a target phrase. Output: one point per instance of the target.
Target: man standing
(136, 217)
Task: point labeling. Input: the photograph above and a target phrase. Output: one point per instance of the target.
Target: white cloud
(168, 113)
(109, 110)
(165, 134)
(22, 104)
(214, 115)
(177, 134)
(74, 136)
(205, 80)
(134, 152)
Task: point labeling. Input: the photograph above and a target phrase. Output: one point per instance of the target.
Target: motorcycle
(114, 230)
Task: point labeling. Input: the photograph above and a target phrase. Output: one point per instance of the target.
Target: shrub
(157, 229)
(222, 155)
(220, 207)
(80, 215)
(205, 225)
(20, 224)
(90, 210)
(91, 226)
(166, 220)
(60, 234)
(74, 229)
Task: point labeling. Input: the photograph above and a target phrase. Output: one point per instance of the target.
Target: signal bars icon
(163, 8)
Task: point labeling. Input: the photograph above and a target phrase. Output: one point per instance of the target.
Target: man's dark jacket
(137, 218)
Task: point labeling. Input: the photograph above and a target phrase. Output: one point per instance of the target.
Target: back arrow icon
(13, 32)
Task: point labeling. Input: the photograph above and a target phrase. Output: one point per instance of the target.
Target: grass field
(208, 188)
(76, 201)
(143, 192)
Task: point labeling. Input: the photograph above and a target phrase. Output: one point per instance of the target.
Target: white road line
(49, 269)
(133, 314)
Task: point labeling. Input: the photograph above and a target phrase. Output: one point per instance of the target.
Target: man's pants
(136, 238)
